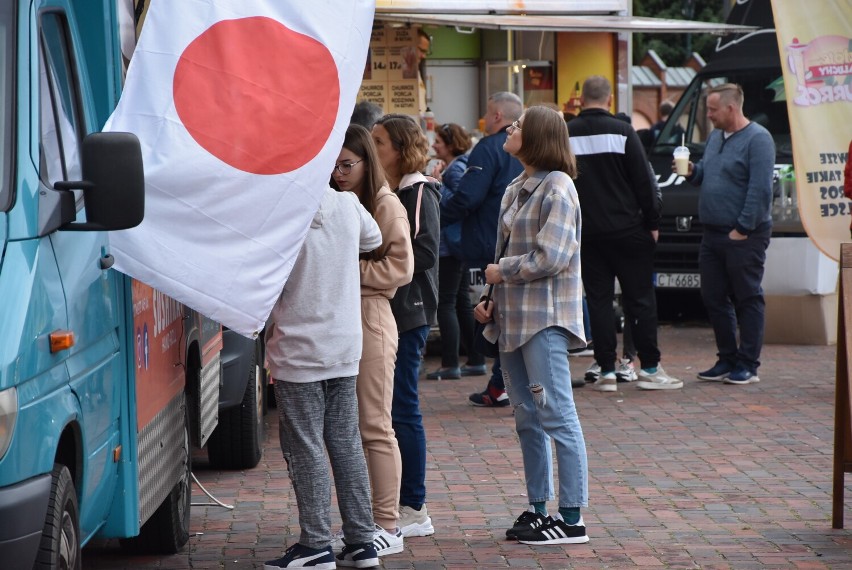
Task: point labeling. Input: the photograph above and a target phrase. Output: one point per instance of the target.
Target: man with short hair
(666, 108)
(424, 49)
(734, 206)
(476, 203)
(366, 113)
(621, 216)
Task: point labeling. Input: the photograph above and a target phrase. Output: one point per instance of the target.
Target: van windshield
(764, 103)
(7, 125)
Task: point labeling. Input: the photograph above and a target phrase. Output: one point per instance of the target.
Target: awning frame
(564, 23)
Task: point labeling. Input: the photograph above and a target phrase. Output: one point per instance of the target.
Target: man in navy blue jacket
(476, 203)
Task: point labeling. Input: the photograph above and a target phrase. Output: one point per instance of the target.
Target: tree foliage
(675, 49)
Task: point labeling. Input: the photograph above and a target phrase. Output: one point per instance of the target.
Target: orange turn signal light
(61, 340)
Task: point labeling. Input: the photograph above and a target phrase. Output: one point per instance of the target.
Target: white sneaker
(387, 542)
(606, 383)
(593, 373)
(625, 372)
(415, 523)
(659, 380)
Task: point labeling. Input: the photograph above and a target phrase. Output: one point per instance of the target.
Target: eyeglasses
(345, 168)
(516, 126)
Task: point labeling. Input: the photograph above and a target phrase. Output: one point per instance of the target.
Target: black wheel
(60, 538)
(237, 442)
(167, 531)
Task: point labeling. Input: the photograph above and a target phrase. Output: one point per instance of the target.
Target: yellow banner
(816, 54)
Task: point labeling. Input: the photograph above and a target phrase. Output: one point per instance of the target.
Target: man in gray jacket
(313, 348)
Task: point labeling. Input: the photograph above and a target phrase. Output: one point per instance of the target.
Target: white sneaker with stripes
(387, 542)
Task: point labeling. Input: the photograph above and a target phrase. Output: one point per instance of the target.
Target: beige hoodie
(395, 266)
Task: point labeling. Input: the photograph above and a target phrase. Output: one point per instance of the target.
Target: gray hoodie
(315, 327)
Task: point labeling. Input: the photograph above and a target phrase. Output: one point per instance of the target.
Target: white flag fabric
(241, 107)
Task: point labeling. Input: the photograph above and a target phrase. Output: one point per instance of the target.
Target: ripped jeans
(538, 382)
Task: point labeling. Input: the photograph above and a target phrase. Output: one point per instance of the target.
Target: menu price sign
(404, 97)
(375, 92)
(391, 77)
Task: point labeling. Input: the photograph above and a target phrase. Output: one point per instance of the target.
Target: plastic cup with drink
(681, 158)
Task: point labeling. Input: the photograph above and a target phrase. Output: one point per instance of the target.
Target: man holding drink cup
(734, 206)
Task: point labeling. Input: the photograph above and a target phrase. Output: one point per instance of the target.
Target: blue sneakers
(359, 556)
(741, 376)
(298, 556)
(719, 371)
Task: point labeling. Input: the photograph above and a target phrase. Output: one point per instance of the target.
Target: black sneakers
(298, 556)
(554, 530)
(527, 521)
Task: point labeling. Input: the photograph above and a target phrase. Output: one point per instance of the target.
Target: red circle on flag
(257, 95)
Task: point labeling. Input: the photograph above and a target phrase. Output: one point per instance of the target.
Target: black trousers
(630, 260)
(455, 313)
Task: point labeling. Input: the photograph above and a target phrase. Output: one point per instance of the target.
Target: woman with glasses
(403, 151)
(383, 270)
(455, 314)
(538, 317)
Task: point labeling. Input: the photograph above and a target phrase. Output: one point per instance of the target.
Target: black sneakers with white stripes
(527, 521)
(554, 530)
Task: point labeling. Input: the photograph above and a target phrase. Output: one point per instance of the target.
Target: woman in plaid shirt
(537, 314)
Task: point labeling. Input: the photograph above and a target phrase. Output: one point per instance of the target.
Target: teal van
(105, 383)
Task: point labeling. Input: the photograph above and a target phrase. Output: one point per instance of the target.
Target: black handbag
(481, 344)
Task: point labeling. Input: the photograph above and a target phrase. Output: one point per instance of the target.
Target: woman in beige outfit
(389, 266)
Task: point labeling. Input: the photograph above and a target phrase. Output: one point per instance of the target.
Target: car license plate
(678, 280)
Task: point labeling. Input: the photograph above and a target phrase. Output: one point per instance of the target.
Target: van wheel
(237, 442)
(60, 538)
(167, 531)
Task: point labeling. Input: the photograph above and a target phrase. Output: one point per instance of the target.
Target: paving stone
(712, 476)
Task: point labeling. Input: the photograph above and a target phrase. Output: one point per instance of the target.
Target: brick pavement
(712, 476)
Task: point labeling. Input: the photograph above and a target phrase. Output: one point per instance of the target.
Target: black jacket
(617, 188)
(416, 304)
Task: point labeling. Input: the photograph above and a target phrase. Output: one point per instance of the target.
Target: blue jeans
(547, 414)
(731, 273)
(407, 420)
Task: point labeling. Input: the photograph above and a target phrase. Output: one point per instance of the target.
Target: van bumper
(23, 508)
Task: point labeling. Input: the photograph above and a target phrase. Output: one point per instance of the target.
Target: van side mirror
(113, 183)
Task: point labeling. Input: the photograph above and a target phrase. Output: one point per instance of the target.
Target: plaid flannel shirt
(542, 285)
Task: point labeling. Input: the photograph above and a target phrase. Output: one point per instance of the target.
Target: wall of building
(579, 55)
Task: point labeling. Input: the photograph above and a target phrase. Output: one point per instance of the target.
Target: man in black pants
(621, 216)
(476, 203)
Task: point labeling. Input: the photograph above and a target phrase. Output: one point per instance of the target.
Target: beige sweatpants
(374, 388)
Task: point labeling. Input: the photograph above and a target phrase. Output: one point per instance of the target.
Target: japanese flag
(241, 107)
